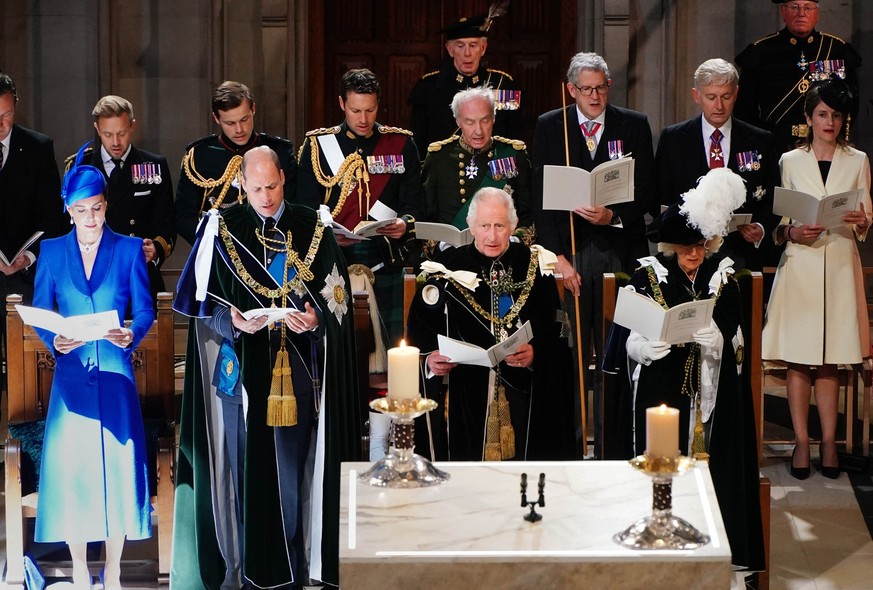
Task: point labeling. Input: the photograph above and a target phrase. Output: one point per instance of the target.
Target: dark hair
(230, 95)
(812, 100)
(360, 81)
(7, 86)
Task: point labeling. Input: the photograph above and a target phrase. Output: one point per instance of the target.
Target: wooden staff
(579, 361)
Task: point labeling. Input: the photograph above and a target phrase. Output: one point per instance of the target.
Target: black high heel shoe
(797, 472)
(829, 472)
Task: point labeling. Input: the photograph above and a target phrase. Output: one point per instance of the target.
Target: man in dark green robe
(250, 496)
(511, 289)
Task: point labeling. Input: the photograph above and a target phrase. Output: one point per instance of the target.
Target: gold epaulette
(770, 36)
(323, 131)
(429, 74)
(501, 72)
(69, 160)
(300, 150)
(833, 37)
(438, 145)
(386, 129)
(517, 144)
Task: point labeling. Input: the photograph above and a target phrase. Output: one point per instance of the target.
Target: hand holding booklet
(274, 314)
(827, 210)
(85, 328)
(469, 354)
(566, 187)
(364, 230)
(25, 246)
(673, 326)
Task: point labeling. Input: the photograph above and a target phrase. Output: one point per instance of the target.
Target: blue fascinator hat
(82, 181)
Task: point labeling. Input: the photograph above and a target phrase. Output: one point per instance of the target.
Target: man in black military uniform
(776, 71)
(139, 189)
(210, 169)
(362, 170)
(466, 42)
(455, 168)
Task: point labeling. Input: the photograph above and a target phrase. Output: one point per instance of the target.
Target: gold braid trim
(351, 173)
(513, 312)
(231, 172)
(291, 259)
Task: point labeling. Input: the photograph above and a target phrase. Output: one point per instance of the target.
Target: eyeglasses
(589, 90)
(801, 8)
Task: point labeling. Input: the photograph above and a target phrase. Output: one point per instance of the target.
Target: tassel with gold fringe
(282, 403)
(507, 433)
(698, 443)
(492, 433)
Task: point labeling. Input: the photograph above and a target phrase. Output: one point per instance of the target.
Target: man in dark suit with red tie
(139, 189)
(608, 239)
(687, 151)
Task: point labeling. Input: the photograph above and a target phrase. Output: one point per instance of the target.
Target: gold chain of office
(291, 259)
(513, 312)
(224, 181)
(351, 173)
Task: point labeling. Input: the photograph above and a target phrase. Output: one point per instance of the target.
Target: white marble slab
(470, 532)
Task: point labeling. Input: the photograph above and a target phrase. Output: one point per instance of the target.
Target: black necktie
(2, 159)
(117, 170)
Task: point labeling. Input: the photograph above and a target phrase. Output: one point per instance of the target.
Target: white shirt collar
(275, 217)
(107, 159)
(6, 145)
(601, 118)
(708, 129)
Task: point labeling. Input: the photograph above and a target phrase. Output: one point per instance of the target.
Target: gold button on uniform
(460, 164)
(463, 201)
(463, 191)
(133, 222)
(461, 182)
(461, 173)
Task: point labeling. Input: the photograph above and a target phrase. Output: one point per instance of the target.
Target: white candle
(403, 372)
(662, 431)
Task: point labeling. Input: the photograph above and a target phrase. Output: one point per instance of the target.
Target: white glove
(644, 351)
(709, 338)
(654, 350)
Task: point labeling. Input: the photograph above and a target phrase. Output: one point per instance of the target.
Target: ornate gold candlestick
(401, 467)
(661, 530)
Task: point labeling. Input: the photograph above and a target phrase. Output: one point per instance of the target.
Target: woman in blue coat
(93, 479)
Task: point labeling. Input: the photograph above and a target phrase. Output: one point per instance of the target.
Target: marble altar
(470, 532)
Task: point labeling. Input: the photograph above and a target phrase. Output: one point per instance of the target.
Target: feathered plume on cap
(82, 180)
(709, 206)
(496, 9)
(705, 211)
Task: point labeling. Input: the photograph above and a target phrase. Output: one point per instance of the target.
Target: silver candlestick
(401, 467)
(661, 530)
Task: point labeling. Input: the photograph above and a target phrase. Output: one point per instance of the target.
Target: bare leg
(827, 398)
(112, 569)
(81, 576)
(798, 384)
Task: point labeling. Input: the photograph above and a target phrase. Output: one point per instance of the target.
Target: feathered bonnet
(705, 211)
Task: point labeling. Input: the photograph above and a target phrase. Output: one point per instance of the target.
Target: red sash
(350, 216)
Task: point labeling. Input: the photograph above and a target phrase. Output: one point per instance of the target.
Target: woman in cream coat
(817, 315)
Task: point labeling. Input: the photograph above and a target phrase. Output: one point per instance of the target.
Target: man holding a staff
(592, 240)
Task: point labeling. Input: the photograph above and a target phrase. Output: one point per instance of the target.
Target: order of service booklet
(469, 354)
(566, 187)
(86, 327)
(25, 246)
(673, 326)
(443, 232)
(827, 210)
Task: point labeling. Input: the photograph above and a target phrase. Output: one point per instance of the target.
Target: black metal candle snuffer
(533, 516)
